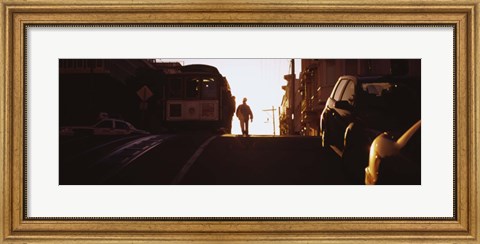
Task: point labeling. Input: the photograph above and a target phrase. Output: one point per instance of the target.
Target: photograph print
(292, 121)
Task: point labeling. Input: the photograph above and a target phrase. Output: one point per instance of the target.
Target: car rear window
(377, 89)
(398, 100)
(121, 125)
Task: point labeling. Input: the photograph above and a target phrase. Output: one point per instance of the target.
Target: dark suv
(360, 108)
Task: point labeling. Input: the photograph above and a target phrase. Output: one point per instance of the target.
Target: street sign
(143, 105)
(144, 93)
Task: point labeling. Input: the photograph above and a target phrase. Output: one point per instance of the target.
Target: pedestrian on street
(244, 113)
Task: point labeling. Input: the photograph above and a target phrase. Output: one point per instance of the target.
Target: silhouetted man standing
(244, 113)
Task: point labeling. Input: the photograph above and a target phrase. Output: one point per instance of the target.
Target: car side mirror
(343, 105)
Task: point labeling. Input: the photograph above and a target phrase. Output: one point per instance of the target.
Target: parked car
(103, 127)
(361, 108)
(395, 162)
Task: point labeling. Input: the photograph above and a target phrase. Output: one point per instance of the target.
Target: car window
(121, 125)
(105, 124)
(174, 88)
(377, 89)
(339, 90)
(349, 92)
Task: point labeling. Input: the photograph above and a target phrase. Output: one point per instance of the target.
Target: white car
(103, 127)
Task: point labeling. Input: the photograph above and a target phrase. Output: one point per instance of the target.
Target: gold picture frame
(17, 14)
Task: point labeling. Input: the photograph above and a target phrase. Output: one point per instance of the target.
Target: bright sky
(259, 80)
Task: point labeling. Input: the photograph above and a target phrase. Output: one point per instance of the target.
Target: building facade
(290, 108)
(318, 77)
(89, 87)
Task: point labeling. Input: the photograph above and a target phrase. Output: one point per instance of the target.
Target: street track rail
(179, 177)
(100, 147)
(120, 158)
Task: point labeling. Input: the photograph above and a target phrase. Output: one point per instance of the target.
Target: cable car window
(174, 88)
(192, 88)
(209, 88)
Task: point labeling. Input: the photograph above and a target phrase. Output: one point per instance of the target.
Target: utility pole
(292, 99)
(279, 122)
(273, 113)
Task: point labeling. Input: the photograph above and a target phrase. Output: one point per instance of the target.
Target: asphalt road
(197, 159)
